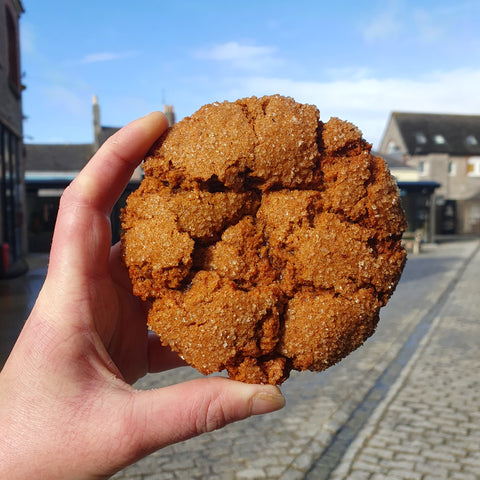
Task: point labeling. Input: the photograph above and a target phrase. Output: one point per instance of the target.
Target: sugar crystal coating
(265, 239)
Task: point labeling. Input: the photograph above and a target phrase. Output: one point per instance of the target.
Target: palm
(127, 337)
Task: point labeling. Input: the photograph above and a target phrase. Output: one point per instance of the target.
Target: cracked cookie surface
(265, 239)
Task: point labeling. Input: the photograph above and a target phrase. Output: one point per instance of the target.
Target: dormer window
(420, 138)
(471, 141)
(439, 139)
(392, 147)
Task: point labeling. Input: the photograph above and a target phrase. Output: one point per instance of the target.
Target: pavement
(406, 405)
(17, 297)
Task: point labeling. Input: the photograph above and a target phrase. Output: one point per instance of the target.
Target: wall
(10, 82)
(12, 185)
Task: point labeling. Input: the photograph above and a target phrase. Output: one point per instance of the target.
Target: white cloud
(397, 20)
(384, 24)
(248, 57)
(368, 101)
(105, 57)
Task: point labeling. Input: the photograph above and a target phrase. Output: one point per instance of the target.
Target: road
(406, 405)
(317, 435)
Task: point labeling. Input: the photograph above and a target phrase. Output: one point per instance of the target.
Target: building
(12, 192)
(417, 196)
(444, 149)
(51, 167)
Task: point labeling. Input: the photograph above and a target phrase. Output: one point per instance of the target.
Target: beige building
(12, 191)
(443, 149)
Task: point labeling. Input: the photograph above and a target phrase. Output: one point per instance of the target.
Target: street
(406, 405)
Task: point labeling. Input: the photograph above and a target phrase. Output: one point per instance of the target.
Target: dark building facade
(12, 186)
(51, 167)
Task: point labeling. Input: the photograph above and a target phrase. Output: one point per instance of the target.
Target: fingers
(82, 232)
(103, 179)
(175, 413)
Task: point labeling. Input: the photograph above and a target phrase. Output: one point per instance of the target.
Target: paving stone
(472, 468)
(463, 476)
(410, 458)
(274, 472)
(441, 456)
(303, 461)
(292, 474)
(432, 469)
(405, 474)
(378, 452)
(251, 474)
(382, 476)
(360, 475)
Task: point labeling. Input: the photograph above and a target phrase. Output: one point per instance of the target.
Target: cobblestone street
(406, 405)
(431, 323)
(428, 427)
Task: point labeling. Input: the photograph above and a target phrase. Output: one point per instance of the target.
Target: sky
(356, 60)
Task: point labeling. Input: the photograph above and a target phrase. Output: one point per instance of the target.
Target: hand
(67, 409)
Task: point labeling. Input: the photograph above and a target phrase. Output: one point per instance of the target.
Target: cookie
(265, 239)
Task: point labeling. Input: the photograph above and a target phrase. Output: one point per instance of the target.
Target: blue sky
(355, 60)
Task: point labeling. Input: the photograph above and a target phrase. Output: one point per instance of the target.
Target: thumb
(182, 411)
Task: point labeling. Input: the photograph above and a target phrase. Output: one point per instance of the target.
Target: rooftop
(57, 157)
(426, 133)
(61, 157)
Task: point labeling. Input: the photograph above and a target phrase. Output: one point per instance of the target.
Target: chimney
(169, 113)
(97, 128)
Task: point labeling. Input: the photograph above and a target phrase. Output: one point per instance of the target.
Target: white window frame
(392, 147)
(423, 168)
(452, 168)
(475, 163)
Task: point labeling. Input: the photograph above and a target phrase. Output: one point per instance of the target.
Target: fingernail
(267, 400)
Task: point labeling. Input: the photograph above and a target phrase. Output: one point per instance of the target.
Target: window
(473, 167)
(420, 138)
(10, 193)
(452, 168)
(423, 167)
(392, 147)
(471, 141)
(439, 139)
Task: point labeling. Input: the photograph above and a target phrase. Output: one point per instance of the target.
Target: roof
(62, 157)
(55, 158)
(393, 160)
(401, 171)
(425, 133)
(106, 132)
